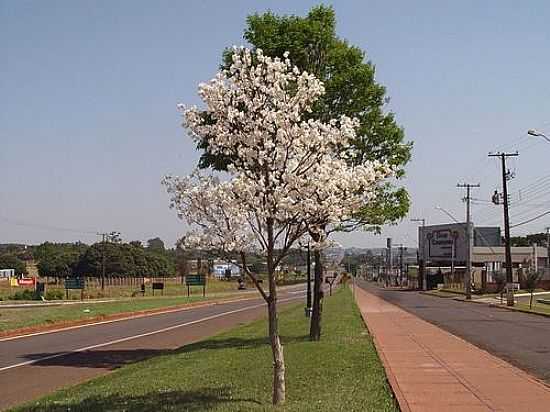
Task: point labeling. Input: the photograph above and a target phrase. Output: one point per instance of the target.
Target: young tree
(532, 280)
(351, 90)
(289, 175)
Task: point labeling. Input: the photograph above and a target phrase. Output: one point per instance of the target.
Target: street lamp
(536, 133)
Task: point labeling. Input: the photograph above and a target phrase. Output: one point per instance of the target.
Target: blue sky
(88, 94)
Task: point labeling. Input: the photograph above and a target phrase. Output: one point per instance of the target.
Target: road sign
(26, 281)
(75, 283)
(158, 286)
(195, 280)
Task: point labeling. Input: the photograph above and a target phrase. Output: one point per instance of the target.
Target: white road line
(141, 335)
(138, 316)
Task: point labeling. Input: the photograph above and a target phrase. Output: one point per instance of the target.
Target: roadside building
(444, 249)
(7, 273)
(226, 270)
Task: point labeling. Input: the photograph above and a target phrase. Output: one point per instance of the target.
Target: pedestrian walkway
(430, 369)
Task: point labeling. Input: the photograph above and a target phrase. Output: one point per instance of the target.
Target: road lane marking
(138, 316)
(141, 335)
(131, 317)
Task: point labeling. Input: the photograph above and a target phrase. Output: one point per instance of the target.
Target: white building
(220, 270)
(7, 273)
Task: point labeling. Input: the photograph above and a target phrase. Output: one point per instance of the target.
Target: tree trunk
(315, 325)
(531, 301)
(279, 387)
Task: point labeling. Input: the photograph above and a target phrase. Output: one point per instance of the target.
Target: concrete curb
(510, 308)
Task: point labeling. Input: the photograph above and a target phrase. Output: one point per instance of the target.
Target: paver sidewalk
(430, 369)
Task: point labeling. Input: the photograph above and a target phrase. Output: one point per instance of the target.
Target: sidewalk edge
(392, 380)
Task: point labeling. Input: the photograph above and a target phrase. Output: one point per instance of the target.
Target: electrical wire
(47, 227)
(530, 220)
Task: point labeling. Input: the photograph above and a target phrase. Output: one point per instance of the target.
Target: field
(232, 372)
(126, 287)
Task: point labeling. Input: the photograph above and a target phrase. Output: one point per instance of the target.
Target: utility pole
(422, 263)
(401, 248)
(469, 239)
(548, 248)
(505, 177)
(389, 261)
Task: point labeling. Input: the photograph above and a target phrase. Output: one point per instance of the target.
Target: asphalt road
(519, 338)
(35, 365)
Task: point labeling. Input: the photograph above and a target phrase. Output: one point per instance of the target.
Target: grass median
(35, 317)
(232, 372)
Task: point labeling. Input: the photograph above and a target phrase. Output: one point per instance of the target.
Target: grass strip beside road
(37, 317)
(232, 371)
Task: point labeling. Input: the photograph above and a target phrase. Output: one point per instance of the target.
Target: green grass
(172, 287)
(537, 307)
(232, 372)
(26, 317)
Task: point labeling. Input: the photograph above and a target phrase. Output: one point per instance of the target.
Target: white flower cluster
(285, 167)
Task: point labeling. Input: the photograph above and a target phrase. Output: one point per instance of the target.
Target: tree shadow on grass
(191, 401)
(237, 343)
(111, 359)
(102, 359)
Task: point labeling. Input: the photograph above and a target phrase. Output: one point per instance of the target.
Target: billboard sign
(444, 243)
(26, 281)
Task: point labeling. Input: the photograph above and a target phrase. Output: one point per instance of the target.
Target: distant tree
(528, 240)
(10, 261)
(58, 259)
(125, 259)
(156, 244)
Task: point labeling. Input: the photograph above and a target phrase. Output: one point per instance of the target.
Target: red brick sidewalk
(432, 370)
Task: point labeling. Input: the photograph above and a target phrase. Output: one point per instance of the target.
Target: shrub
(55, 294)
(23, 295)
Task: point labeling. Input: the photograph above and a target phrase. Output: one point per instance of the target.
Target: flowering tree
(288, 176)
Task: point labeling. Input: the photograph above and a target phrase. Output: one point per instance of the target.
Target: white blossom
(287, 168)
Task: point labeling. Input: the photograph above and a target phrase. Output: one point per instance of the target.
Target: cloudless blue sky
(88, 94)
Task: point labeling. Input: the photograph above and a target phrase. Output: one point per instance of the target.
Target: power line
(531, 220)
(46, 227)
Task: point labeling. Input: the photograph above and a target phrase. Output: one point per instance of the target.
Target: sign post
(75, 284)
(158, 286)
(195, 280)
